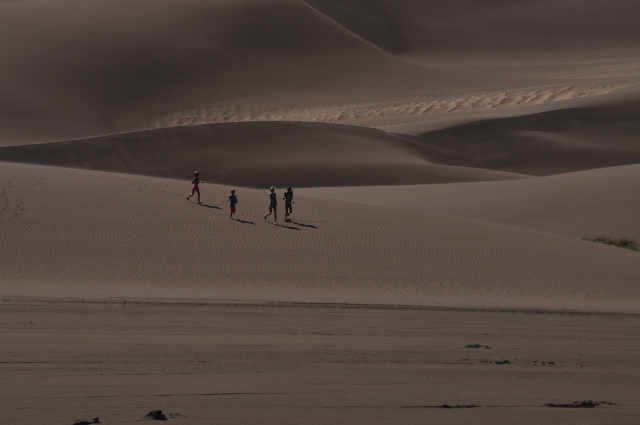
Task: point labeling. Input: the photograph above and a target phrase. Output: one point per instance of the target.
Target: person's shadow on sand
(245, 222)
(287, 227)
(210, 206)
(303, 225)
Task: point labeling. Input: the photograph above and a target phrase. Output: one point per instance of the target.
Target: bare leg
(272, 209)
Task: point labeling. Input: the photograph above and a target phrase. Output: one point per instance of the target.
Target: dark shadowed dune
(256, 155)
(259, 154)
(78, 68)
(521, 31)
(81, 68)
(601, 135)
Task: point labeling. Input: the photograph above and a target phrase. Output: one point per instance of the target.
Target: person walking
(233, 200)
(273, 205)
(195, 188)
(288, 201)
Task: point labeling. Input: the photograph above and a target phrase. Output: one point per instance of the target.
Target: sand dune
(116, 69)
(599, 134)
(385, 113)
(118, 66)
(85, 233)
(491, 31)
(120, 296)
(565, 140)
(125, 66)
(593, 203)
(257, 154)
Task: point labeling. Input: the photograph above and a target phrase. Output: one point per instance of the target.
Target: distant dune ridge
(524, 138)
(250, 154)
(316, 154)
(554, 142)
(490, 30)
(117, 66)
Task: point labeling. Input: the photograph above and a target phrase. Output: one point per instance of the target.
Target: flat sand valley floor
(287, 363)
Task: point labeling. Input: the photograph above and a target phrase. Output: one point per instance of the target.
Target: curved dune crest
(525, 31)
(560, 141)
(256, 155)
(116, 66)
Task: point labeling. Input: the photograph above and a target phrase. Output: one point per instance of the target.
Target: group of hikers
(233, 200)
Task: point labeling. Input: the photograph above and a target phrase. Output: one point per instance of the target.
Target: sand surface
(447, 158)
(65, 360)
(75, 231)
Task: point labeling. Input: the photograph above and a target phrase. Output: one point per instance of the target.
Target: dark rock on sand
(589, 404)
(459, 406)
(156, 414)
(93, 421)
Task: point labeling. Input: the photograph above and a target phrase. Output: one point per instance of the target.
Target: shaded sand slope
(256, 155)
(582, 204)
(77, 68)
(496, 31)
(599, 135)
(84, 233)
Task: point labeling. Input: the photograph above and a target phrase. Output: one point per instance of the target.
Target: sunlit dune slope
(592, 203)
(256, 155)
(77, 233)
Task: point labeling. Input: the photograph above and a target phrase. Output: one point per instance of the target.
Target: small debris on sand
(93, 421)
(459, 406)
(589, 404)
(156, 414)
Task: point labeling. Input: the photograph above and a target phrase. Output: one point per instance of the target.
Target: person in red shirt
(196, 181)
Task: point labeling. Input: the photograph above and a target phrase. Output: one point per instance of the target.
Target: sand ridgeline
(245, 154)
(117, 67)
(602, 134)
(511, 33)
